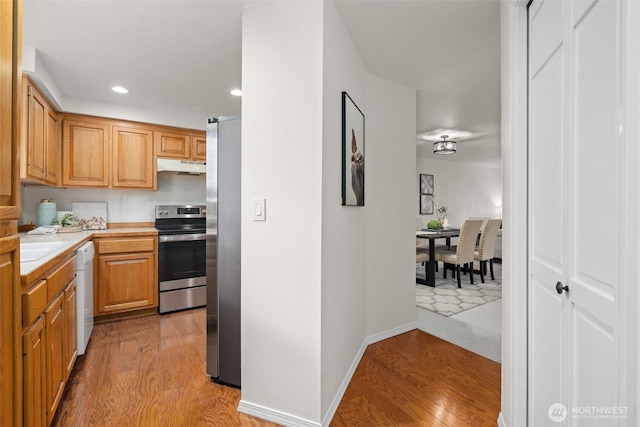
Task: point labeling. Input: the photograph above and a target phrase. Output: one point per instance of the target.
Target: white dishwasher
(84, 296)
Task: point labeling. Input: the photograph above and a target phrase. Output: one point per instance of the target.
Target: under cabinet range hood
(182, 166)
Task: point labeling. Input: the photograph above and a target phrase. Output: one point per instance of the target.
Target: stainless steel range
(182, 255)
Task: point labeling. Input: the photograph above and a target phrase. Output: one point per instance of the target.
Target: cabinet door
(36, 119)
(85, 154)
(133, 161)
(199, 147)
(71, 327)
(173, 145)
(34, 375)
(9, 280)
(126, 282)
(52, 147)
(56, 364)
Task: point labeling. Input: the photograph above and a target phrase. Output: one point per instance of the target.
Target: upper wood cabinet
(85, 153)
(178, 144)
(107, 153)
(75, 150)
(133, 161)
(173, 145)
(40, 161)
(199, 146)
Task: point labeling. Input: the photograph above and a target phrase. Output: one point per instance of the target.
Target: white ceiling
(188, 54)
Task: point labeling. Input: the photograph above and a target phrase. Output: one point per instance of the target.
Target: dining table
(432, 236)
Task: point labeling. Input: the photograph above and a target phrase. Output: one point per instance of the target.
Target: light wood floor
(150, 371)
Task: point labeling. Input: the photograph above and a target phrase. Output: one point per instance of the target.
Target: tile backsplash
(122, 205)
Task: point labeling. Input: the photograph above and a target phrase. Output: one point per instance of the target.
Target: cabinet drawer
(57, 280)
(34, 301)
(126, 245)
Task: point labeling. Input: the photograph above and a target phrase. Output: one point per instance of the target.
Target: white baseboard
(326, 420)
(289, 420)
(501, 422)
(391, 333)
(274, 416)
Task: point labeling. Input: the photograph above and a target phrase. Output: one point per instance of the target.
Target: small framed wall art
(352, 153)
(426, 204)
(426, 184)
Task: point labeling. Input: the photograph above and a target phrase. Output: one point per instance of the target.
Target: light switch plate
(259, 209)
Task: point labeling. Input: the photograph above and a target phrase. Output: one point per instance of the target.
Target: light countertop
(73, 241)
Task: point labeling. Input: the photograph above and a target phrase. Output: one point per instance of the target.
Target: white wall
(123, 205)
(344, 228)
(390, 196)
(467, 190)
(318, 278)
(282, 161)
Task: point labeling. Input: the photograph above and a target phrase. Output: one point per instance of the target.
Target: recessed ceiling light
(120, 89)
(236, 92)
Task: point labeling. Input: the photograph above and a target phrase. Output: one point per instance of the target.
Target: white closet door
(577, 184)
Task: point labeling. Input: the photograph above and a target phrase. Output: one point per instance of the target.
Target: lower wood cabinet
(126, 274)
(49, 341)
(34, 374)
(71, 331)
(56, 365)
(9, 266)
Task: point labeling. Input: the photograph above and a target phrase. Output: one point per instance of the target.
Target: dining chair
(464, 252)
(485, 251)
(422, 253)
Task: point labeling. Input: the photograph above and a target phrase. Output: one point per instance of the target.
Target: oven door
(181, 256)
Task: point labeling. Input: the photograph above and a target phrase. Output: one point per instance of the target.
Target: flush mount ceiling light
(120, 89)
(236, 92)
(457, 134)
(444, 146)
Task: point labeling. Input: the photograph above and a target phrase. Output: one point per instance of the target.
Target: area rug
(447, 299)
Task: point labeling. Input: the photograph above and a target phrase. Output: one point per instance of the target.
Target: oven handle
(182, 237)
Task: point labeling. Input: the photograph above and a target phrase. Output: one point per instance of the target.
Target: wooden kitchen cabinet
(86, 153)
(55, 332)
(199, 146)
(133, 160)
(107, 153)
(179, 144)
(71, 330)
(173, 145)
(34, 375)
(9, 280)
(40, 162)
(126, 274)
(49, 339)
(10, 130)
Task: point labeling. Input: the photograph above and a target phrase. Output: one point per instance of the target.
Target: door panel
(578, 356)
(594, 365)
(546, 162)
(545, 368)
(595, 97)
(547, 327)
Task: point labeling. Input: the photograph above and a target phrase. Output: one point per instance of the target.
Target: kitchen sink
(33, 251)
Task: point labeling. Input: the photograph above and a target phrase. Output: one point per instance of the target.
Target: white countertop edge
(70, 239)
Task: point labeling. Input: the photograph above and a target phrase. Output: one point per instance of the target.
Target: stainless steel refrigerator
(223, 250)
